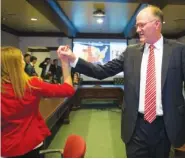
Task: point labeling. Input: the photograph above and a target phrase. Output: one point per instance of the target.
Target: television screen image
(93, 53)
(99, 51)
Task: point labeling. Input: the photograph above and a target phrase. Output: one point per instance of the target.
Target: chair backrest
(75, 147)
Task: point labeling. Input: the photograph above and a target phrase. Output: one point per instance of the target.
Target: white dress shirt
(73, 64)
(158, 53)
(47, 68)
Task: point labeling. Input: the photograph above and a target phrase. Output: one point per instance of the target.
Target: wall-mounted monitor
(99, 51)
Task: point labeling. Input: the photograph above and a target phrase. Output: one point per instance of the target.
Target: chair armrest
(51, 151)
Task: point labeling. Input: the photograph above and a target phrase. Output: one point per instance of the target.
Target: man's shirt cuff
(73, 64)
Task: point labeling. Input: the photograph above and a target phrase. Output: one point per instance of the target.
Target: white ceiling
(81, 15)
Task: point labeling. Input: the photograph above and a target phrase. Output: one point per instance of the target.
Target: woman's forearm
(66, 69)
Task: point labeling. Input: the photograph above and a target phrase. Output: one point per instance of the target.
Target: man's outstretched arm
(92, 70)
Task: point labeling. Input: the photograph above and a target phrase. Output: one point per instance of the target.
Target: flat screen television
(99, 51)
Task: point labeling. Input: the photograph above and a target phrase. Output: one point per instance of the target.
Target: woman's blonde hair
(12, 70)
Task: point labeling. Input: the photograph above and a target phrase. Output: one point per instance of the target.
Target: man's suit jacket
(30, 70)
(43, 66)
(173, 75)
(56, 71)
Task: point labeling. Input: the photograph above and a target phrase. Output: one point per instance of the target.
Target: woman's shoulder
(35, 80)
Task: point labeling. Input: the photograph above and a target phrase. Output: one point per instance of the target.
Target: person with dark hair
(153, 114)
(46, 68)
(27, 58)
(23, 129)
(27, 61)
(33, 61)
(56, 71)
(29, 69)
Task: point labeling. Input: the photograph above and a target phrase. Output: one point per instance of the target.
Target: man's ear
(158, 24)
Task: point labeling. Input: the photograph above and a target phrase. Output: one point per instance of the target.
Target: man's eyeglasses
(141, 25)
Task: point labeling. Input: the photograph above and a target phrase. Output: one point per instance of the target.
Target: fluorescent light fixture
(34, 19)
(99, 20)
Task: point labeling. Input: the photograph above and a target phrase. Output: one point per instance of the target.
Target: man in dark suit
(46, 68)
(56, 71)
(27, 61)
(30, 69)
(153, 114)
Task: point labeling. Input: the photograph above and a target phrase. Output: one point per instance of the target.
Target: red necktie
(150, 90)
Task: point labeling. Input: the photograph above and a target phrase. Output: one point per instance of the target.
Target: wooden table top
(49, 105)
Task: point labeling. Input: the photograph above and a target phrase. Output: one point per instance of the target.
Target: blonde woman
(23, 129)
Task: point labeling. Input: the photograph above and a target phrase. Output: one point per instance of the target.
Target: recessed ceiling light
(33, 19)
(99, 20)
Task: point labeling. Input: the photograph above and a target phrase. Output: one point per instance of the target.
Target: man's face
(48, 61)
(56, 62)
(146, 26)
(27, 59)
(34, 62)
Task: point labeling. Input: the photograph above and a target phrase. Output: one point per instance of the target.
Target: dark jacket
(56, 71)
(43, 65)
(30, 70)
